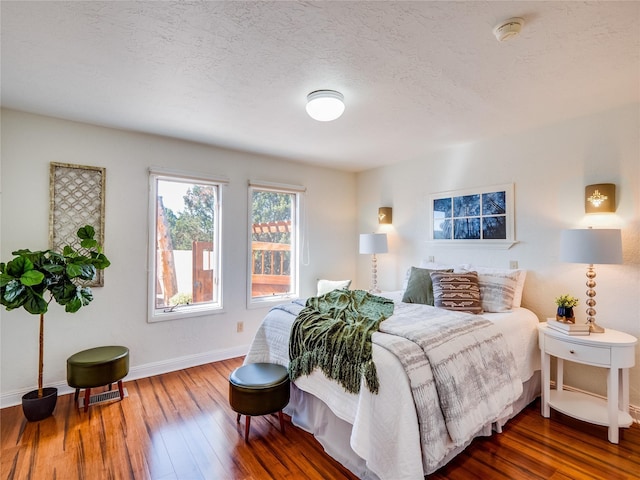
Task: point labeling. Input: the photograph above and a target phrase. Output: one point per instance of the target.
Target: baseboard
(14, 397)
(634, 410)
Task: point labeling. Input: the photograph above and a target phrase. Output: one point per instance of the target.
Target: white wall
(118, 312)
(550, 168)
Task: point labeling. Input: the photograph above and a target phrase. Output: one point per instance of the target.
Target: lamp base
(594, 327)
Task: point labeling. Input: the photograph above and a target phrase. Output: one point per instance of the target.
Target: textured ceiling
(416, 76)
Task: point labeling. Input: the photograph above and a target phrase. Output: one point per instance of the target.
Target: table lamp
(591, 246)
(372, 243)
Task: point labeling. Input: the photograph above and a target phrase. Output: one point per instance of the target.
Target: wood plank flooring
(179, 426)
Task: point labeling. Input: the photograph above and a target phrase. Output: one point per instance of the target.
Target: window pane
(186, 263)
(273, 259)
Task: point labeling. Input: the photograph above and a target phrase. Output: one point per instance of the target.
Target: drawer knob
(572, 351)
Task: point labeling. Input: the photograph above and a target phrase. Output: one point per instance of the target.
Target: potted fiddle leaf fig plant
(31, 280)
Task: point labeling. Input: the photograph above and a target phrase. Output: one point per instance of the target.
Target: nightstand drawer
(577, 352)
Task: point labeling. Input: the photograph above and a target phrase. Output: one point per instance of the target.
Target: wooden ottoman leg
(87, 396)
(247, 424)
(121, 390)
(75, 397)
(238, 418)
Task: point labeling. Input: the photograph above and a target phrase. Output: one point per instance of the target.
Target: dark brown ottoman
(258, 389)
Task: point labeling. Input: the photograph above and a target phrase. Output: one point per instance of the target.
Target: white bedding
(370, 421)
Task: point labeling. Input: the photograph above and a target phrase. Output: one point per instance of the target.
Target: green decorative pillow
(457, 291)
(419, 287)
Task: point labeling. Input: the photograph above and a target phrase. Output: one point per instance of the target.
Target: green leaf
(56, 257)
(32, 277)
(86, 233)
(53, 268)
(73, 306)
(5, 279)
(24, 251)
(18, 266)
(63, 293)
(68, 251)
(14, 304)
(74, 270)
(81, 270)
(34, 303)
(100, 261)
(89, 243)
(13, 290)
(86, 295)
(88, 272)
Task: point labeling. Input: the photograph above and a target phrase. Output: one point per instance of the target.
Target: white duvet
(385, 431)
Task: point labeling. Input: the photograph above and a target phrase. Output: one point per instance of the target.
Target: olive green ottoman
(259, 389)
(97, 367)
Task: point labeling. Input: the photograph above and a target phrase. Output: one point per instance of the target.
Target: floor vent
(103, 397)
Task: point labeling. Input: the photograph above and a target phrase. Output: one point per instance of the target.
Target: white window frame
(296, 241)
(184, 311)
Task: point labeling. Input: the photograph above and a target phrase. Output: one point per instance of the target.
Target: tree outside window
(186, 242)
(273, 235)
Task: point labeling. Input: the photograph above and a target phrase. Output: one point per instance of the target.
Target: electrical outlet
(513, 264)
(240, 327)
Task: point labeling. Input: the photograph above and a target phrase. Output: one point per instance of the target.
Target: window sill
(185, 312)
(270, 301)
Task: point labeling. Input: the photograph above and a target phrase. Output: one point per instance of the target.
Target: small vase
(565, 314)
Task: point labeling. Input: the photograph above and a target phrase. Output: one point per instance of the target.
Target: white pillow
(497, 290)
(436, 266)
(521, 276)
(326, 286)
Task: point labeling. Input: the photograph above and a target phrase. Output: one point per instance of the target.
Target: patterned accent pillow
(521, 276)
(497, 290)
(419, 287)
(457, 291)
(326, 286)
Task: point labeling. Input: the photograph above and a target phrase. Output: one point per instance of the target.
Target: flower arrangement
(566, 301)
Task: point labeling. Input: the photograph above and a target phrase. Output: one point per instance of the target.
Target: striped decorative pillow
(457, 291)
(497, 291)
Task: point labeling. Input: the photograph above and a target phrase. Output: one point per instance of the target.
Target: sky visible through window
(172, 194)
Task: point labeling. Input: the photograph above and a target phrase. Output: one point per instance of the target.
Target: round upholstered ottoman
(97, 367)
(258, 389)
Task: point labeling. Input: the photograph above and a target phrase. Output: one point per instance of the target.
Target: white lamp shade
(325, 105)
(373, 243)
(592, 246)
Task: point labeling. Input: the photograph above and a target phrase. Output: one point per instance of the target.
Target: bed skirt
(314, 416)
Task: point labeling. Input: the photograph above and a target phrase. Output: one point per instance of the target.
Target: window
(184, 278)
(273, 242)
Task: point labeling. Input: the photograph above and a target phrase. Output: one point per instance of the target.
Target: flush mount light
(325, 105)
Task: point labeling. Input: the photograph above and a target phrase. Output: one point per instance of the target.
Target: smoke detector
(508, 29)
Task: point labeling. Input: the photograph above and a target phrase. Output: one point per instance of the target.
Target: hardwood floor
(180, 426)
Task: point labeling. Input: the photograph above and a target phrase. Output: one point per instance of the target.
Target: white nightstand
(612, 350)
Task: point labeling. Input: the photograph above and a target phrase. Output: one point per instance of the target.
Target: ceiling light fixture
(509, 29)
(325, 105)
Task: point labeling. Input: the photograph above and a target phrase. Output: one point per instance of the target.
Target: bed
(356, 428)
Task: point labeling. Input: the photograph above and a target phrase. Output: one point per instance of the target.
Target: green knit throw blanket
(333, 332)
